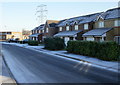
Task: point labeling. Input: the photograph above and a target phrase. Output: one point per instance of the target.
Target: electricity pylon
(41, 13)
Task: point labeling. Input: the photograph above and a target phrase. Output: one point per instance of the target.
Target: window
(117, 39)
(67, 28)
(3, 37)
(101, 24)
(117, 23)
(47, 30)
(8, 32)
(0, 37)
(85, 26)
(42, 31)
(32, 31)
(60, 28)
(39, 31)
(76, 27)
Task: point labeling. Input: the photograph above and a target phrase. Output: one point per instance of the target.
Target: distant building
(10, 35)
(25, 34)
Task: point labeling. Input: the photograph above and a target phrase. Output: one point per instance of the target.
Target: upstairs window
(85, 26)
(67, 28)
(76, 27)
(101, 24)
(34, 31)
(117, 23)
(47, 30)
(39, 31)
(8, 32)
(60, 28)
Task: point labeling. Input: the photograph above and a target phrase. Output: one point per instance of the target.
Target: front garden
(109, 51)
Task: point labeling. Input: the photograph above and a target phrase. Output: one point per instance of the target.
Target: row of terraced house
(103, 26)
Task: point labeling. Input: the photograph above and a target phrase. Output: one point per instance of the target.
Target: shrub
(23, 42)
(33, 43)
(54, 43)
(102, 50)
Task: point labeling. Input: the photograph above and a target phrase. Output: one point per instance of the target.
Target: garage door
(90, 39)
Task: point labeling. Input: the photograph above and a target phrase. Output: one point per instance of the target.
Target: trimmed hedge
(33, 43)
(54, 43)
(102, 50)
(23, 42)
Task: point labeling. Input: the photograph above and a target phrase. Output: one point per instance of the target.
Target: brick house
(50, 28)
(73, 28)
(37, 33)
(106, 27)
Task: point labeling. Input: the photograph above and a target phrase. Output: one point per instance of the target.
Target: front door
(66, 39)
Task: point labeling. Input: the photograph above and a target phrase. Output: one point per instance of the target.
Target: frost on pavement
(0, 62)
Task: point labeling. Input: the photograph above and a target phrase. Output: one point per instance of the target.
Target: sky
(15, 16)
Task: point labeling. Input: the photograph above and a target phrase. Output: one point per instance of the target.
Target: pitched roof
(111, 14)
(52, 24)
(39, 27)
(52, 21)
(80, 19)
(35, 35)
(67, 33)
(89, 18)
(97, 32)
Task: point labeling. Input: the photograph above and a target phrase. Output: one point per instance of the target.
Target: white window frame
(39, 31)
(117, 23)
(101, 24)
(86, 26)
(60, 28)
(47, 30)
(67, 28)
(76, 27)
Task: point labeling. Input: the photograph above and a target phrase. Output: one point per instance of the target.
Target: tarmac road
(28, 66)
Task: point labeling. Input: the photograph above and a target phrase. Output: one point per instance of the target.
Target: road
(30, 66)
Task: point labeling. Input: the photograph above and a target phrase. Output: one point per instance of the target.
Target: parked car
(24, 41)
(13, 40)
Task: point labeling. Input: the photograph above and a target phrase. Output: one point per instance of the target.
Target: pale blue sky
(19, 15)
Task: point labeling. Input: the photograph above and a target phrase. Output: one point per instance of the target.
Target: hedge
(23, 42)
(33, 43)
(103, 50)
(54, 43)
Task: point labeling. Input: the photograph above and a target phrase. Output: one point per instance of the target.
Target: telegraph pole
(41, 13)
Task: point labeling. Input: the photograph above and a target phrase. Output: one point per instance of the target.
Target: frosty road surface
(29, 66)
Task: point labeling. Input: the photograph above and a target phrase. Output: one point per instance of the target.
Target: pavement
(32, 66)
(5, 74)
(109, 65)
